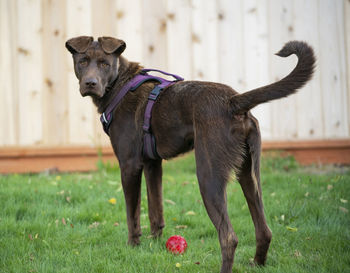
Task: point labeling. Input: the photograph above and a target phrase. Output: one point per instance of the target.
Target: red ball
(176, 244)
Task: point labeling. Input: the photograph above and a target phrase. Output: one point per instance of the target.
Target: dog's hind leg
(249, 179)
(212, 182)
(153, 175)
(131, 180)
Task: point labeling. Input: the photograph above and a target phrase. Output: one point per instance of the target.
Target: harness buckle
(106, 121)
(155, 93)
(104, 118)
(145, 128)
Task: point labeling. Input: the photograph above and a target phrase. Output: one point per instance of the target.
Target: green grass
(306, 210)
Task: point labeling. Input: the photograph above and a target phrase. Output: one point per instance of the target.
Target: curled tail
(301, 74)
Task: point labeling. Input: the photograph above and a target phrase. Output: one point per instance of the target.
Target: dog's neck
(126, 71)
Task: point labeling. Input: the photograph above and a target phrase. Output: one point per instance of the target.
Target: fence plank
(8, 90)
(257, 56)
(129, 19)
(29, 35)
(347, 55)
(154, 43)
(281, 29)
(332, 68)
(103, 18)
(306, 27)
(205, 55)
(179, 42)
(103, 23)
(55, 97)
(80, 109)
(231, 47)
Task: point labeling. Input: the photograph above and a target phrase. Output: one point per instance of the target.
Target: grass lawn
(69, 222)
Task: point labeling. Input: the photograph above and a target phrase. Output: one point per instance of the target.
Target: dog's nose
(91, 82)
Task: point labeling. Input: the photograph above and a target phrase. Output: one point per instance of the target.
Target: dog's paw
(134, 241)
(157, 232)
(260, 260)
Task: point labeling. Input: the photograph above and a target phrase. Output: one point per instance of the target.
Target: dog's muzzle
(91, 87)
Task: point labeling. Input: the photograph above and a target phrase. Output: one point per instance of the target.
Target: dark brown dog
(210, 117)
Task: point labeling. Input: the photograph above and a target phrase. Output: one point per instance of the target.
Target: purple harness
(149, 143)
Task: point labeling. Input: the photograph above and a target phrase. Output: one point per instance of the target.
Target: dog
(211, 118)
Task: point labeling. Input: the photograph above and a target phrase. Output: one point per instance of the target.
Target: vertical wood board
(55, 95)
(104, 23)
(179, 38)
(347, 56)
(30, 74)
(129, 21)
(306, 28)
(332, 68)
(8, 92)
(281, 30)
(257, 56)
(231, 67)
(154, 38)
(81, 110)
(205, 55)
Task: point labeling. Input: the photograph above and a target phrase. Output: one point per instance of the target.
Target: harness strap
(106, 117)
(149, 147)
(177, 78)
(149, 141)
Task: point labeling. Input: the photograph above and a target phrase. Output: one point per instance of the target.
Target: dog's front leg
(131, 181)
(153, 175)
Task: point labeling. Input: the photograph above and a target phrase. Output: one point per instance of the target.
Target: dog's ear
(79, 44)
(112, 45)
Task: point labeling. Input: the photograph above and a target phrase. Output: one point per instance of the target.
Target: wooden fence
(229, 41)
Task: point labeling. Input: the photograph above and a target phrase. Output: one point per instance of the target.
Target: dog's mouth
(91, 91)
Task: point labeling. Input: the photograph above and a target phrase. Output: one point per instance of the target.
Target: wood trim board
(76, 158)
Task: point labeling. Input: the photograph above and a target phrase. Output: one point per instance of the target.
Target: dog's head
(95, 63)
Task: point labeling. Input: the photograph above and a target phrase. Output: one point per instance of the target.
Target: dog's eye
(104, 65)
(83, 63)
